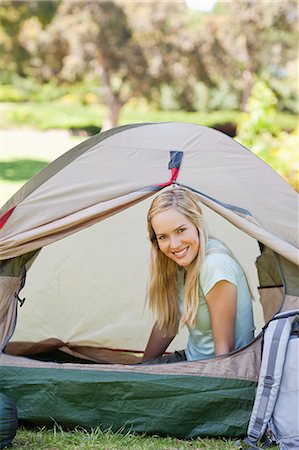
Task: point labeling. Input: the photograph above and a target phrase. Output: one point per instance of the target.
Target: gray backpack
(276, 407)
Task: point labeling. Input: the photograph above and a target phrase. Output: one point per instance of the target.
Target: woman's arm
(157, 344)
(222, 303)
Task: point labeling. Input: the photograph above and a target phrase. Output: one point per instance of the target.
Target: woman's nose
(174, 242)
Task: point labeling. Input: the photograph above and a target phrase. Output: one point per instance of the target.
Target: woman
(195, 281)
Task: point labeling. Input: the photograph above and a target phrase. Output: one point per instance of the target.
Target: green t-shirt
(218, 265)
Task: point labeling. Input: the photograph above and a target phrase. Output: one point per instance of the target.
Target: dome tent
(54, 226)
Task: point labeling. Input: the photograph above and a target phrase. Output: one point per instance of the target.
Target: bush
(9, 93)
(282, 155)
(260, 131)
(223, 97)
(260, 119)
(30, 90)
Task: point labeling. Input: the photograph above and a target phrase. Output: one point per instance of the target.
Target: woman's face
(177, 237)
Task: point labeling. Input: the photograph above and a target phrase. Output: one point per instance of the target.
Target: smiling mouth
(181, 253)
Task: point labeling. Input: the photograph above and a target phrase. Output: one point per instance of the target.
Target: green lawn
(26, 151)
(57, 439)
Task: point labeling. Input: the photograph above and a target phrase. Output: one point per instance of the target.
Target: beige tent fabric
(271, 299)
(95, 354)
(8, 306)
(291, 303)
(36, 237)
(113, 171)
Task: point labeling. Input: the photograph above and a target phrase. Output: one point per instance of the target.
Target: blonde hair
(164, 272)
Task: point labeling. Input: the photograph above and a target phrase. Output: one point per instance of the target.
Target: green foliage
(13, 13)
(223, 97)
(69, 114)
(286, 92)
(203, 61)
(63, 115)
(30, 90)
(201, 99)
(260, 118)
(262, 42)
(10, 93)
(283, 156)
(23, 89)
(260, 131)
(198, 97)
(167, 98)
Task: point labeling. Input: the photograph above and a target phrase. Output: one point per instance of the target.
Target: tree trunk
(110, 98)
(113, 110)
(247, 77)
(248, 73)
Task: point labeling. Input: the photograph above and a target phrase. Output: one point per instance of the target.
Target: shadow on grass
(89, 130)
(20, 169)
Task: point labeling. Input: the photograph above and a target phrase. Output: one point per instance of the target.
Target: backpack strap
(276, 337)
(259, 424)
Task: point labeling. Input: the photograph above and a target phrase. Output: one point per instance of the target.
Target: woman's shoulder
(217, 249)
(218, 255)
(217, 259)
(218, 265)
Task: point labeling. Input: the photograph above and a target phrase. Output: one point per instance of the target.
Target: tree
(162, 29)
(134, 48)
(258, 38)
(139, 48)
(92, 36)
(14, 56)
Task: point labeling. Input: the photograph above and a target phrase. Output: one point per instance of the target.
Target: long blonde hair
(164, 272)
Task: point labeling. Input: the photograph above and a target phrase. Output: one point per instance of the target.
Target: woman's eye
(161, 238)
(181, 230)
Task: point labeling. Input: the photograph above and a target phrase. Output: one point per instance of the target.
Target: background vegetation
(84, 66)
(89, 65)
(95, 64)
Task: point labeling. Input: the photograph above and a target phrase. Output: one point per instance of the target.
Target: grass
(20, 169)
(25, 151)
(58, 439)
